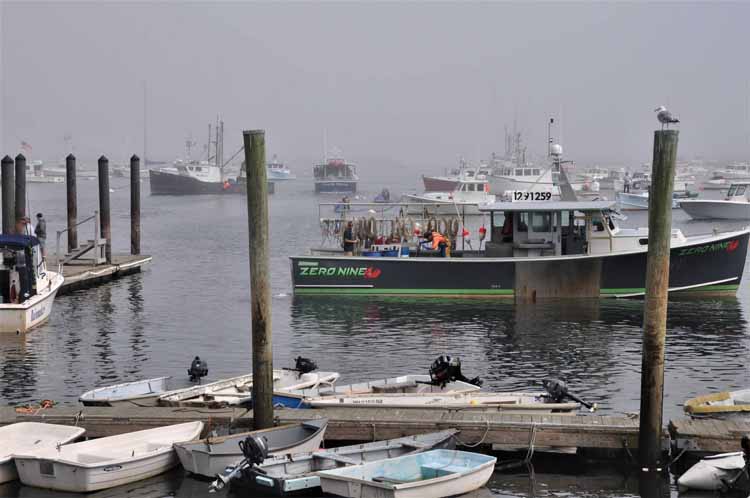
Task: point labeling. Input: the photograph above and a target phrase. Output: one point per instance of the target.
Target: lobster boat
(537, 249)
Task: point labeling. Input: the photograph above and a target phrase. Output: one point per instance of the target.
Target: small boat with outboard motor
(28, 438)
(27, 287)
(431, 474)
(725, 405)
(239, 390)
(724, 472)
(209, 456)
(444, 376)
(294, 474)
(143, 392)
(735, 206)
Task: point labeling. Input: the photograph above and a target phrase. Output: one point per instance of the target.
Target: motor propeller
(557, 389)
(446, 369)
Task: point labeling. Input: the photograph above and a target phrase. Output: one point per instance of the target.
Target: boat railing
(76, 252)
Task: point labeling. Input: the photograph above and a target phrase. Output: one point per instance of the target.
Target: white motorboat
(432, 474)
(728, 405)
(211, 455)
(29, 438)
(470, 193)
(239, 390)
(734, 207)
(715, 473)
(27, 287)
(407, 384)
(514, 402)
(637, 200)
(277, 171)
(282, 476)
(106, 462)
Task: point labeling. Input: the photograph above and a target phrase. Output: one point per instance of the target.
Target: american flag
(25, 146)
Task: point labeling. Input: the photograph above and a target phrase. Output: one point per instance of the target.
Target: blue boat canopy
(15, 241)
(582, 206)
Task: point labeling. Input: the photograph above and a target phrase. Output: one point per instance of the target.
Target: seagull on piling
(665, 117)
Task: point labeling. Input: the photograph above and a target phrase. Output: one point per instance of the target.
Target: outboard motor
(745, 444)
(446, 369)
(557, 390)
(198, 368)
(304, 365)
(255, 449)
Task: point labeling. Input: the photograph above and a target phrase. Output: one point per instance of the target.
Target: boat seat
(390, 480)
(92, 458)
(433, 470)
(335, 457)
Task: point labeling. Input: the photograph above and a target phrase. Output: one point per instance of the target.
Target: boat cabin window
(537, 172)
(736, 190)
(519, 172)
(527, 172)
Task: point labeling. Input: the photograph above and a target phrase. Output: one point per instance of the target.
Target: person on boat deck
(349, 240)
(41, 232)
(626, 183)
(439, 242)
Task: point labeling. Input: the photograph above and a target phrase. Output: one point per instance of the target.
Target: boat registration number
(519, 195)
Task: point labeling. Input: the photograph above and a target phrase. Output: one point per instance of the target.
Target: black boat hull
(336, 187)
(709, 266)
(163, 183)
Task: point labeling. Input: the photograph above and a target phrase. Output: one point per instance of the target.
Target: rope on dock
(467, 445)
(532, 440)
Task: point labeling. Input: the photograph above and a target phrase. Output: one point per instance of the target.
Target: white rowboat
(30, 437)
(713, 473)
(432, 474)
(139, 391)
(106, 462)
(210, 456)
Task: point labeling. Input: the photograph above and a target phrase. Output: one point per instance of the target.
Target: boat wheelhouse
(27, 287)
(736, 205)
(335, 176)
(555, 249)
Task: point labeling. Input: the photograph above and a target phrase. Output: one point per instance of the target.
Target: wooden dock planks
(707, 435)
(81, 273)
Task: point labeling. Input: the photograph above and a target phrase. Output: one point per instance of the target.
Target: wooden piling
(260, 288)
(104, 215)
(135, 205)
(655, 305)
(8, 191)
(21, 187)
(70, 180)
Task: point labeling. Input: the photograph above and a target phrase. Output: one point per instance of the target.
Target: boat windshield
(736, 190)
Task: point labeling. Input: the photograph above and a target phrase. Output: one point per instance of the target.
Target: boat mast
(208, 145)
(145, 134)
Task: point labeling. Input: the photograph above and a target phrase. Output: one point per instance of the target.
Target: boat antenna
(325, 145)
(549, 136)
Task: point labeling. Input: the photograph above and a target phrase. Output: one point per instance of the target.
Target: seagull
(665, 117)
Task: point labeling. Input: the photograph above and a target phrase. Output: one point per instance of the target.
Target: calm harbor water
(194, 300)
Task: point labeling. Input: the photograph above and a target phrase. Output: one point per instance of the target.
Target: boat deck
(80, 274)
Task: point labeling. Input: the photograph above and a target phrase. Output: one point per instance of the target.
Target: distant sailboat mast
(145, 132)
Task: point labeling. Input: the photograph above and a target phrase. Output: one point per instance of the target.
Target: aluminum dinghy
(210, 456)
(29, 438)
(239, 390)
(284, 476)
(106, 462)
(432, 474)
(727, 405)
(139, 392)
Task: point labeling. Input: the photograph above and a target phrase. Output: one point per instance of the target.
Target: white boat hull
(136, 391)
(107, 462)
(20, 318)
(716, 210)
(18, 438)
(711, 474)
(637, 201)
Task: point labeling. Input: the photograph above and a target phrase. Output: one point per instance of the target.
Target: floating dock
(80, 274)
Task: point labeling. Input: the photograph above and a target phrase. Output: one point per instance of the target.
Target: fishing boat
(405, 384)
(735, 205)
(335, 176)
(537, 249)
(193, 178)
(512, 402)
(27, 287)
(211, 455)
(725, 405)
(733, 171)
(105, 462)
(239, 390)
(469, 194)
(284, 476)
(277, 171)
(451, 181)
(29, 438)
(637, 200)
(432, 474)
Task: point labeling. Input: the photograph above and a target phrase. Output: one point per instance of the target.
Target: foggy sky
(416, 83)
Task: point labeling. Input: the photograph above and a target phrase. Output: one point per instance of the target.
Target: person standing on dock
(626, 183)
(41, 232)
(349, 240)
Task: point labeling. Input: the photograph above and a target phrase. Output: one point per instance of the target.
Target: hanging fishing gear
(557, 392)
(446, 369)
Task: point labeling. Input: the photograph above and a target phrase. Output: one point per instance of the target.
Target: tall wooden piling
(8, 192)
(106, 231)
(655, 305)
(70, 180)
(135, 205)
(21, 187)
(260, 288)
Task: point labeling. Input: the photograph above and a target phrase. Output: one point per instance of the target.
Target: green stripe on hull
(485, 292)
